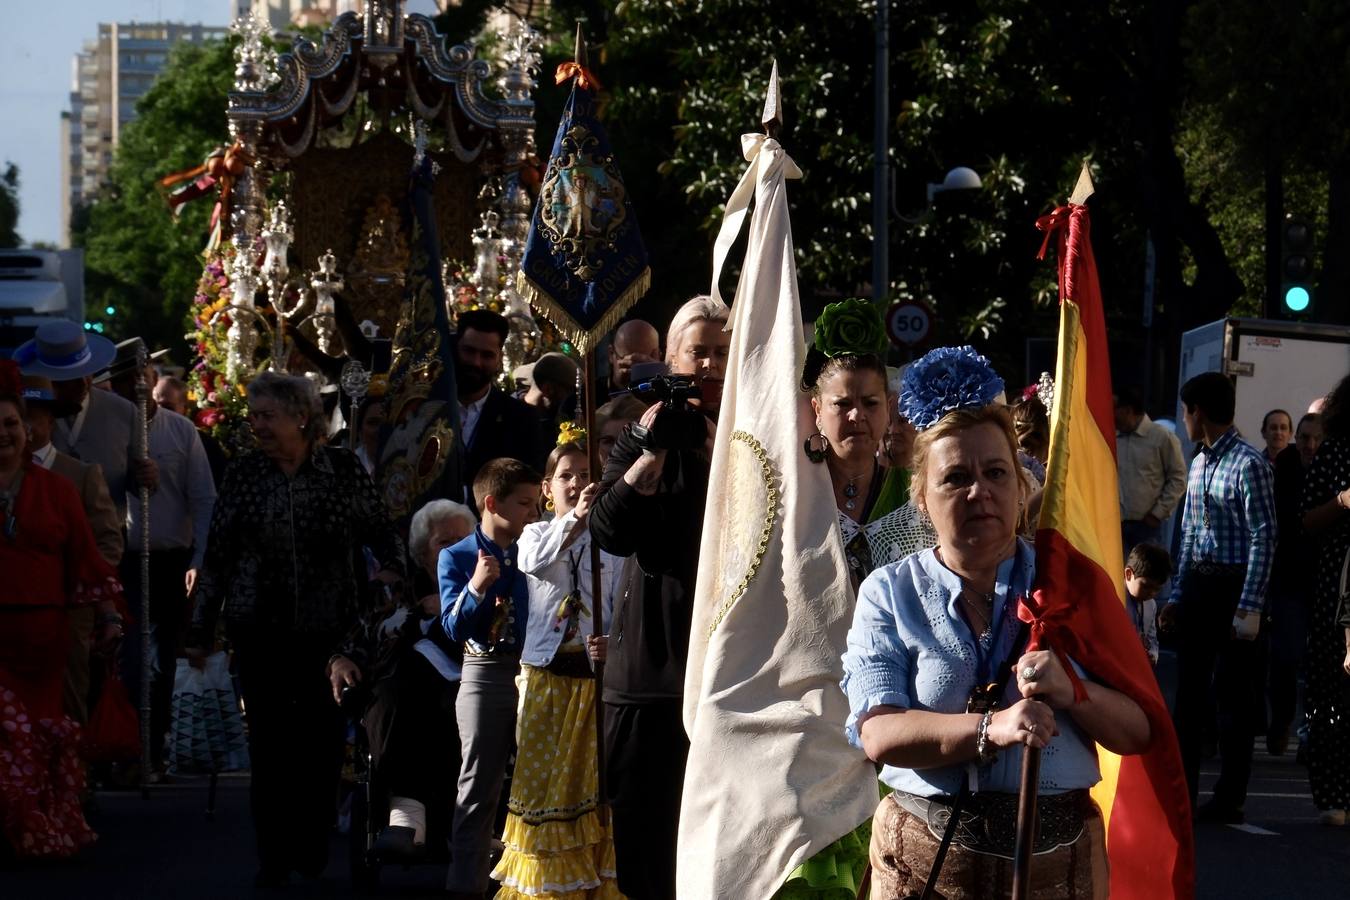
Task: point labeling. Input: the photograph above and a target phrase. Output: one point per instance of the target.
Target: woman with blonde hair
(650, 508)
(941, 690)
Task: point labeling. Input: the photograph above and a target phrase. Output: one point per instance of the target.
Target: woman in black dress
(1326, 505)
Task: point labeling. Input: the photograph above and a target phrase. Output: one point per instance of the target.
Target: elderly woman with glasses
(285, 569)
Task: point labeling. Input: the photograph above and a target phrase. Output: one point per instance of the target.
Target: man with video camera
(650, 508)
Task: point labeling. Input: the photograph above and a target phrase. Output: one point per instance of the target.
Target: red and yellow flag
(1078, 605)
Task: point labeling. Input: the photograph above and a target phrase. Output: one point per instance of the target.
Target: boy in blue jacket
(485, 603)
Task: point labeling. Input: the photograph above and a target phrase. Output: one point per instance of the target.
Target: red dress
(49, 564)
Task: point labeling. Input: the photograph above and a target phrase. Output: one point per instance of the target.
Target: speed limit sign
(908, 322)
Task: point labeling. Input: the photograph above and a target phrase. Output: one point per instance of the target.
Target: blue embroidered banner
(420, 457)
(585, 264)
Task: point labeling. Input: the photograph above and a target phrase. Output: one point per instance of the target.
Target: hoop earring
(548, 505)
(817, 447)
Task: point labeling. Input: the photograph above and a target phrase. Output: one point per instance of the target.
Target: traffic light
(1296, 270)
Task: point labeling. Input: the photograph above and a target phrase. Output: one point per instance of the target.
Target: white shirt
(1152, 473)
(45, 456)
(366, 462)
(469, 414)
(549, 566)
(180, 509)
(76, 425)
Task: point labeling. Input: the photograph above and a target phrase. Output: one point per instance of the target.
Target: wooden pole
(597, 601)
(143, 448)
(1026, 823)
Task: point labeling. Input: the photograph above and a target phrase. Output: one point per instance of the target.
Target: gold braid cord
(742, 549)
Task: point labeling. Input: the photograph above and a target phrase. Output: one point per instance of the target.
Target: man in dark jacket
(650, 509)
(493, 423)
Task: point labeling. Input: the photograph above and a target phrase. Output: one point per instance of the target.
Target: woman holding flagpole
(941, 691)
(556, 844)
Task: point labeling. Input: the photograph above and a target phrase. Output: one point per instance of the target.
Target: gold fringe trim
(562, 320)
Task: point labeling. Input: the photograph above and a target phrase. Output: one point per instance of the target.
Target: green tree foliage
(1268, 95)
(140, 260)
(9, 206)
(1023, 99)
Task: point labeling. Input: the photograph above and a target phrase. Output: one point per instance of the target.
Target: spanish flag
(1077, 608)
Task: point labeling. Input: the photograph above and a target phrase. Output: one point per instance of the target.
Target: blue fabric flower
(945, 379)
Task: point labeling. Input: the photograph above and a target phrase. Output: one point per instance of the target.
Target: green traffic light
(1296, 298)
(110, 310)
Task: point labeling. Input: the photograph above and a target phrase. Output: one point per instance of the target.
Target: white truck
(1273, 364)
(35, 286)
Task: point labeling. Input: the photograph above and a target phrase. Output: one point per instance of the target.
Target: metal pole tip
(773, 105)
(579, 51)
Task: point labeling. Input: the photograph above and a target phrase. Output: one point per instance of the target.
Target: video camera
(678, 425)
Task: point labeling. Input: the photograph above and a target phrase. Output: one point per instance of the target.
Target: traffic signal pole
(1271, 297)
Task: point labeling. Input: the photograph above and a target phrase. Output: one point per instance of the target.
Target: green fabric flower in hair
(850, 327)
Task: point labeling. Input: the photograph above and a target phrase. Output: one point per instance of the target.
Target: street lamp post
(881, 226)
(883, 185)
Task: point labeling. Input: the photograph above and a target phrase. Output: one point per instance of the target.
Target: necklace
(851, 491)
(985, 610)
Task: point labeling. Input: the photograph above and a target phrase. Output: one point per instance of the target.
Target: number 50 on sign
(908, 322)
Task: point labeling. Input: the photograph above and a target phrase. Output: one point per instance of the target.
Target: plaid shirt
(1234, 481)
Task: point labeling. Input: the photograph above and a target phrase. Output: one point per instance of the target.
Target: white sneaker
(1332, 817)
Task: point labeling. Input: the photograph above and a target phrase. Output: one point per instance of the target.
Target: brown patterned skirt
(904, 844)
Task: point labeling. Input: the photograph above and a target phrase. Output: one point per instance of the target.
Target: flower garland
(221, 406)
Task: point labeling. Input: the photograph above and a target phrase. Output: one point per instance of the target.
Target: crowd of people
(475, 623)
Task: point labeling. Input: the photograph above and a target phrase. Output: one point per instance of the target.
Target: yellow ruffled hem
(585, 871)
(553, 837)
(606, 890)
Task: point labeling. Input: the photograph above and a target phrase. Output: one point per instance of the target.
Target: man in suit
(102, 426)
(493, 424)
(43, 409)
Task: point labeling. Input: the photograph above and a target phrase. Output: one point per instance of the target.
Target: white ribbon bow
(767, 158)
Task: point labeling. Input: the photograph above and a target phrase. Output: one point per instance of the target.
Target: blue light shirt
(467, 617)
(910, 647)
(1235, 483)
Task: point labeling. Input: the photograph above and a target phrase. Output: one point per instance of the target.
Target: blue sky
(37, 43)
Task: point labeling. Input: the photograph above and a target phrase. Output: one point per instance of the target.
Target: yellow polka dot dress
(555, 844)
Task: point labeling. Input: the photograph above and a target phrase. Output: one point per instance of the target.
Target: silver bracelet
(984, 754)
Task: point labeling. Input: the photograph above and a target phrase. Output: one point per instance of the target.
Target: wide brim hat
(129, 356)
(63, 351)
(38, 390)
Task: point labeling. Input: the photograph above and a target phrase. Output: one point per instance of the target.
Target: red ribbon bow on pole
(585, 77)
(1033, 611)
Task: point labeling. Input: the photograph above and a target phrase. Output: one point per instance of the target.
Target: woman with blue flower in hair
(942, 693)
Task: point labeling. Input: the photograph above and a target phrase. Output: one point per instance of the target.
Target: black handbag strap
(1005, 672)
(947, 834)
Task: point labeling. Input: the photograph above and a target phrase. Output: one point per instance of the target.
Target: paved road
(1282, 851)
(165, 848)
